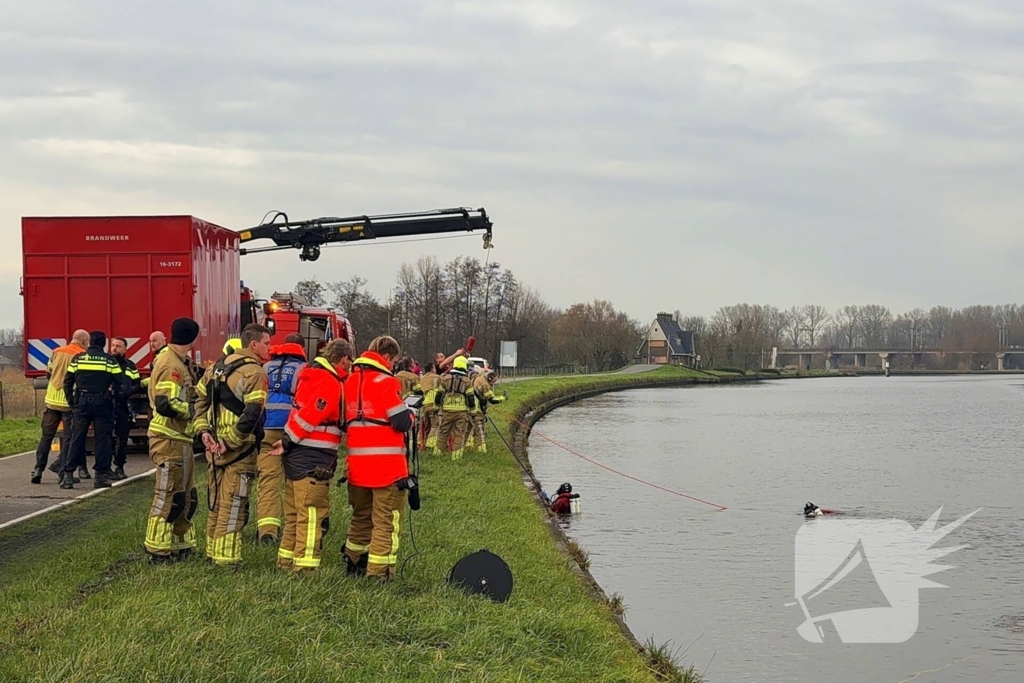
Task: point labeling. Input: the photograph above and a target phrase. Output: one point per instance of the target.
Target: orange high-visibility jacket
(315, 421)
(376, 419)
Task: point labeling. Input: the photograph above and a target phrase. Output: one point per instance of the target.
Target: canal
(720, 585)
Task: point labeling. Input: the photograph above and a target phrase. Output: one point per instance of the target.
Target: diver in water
(812, 510)
(561, 505)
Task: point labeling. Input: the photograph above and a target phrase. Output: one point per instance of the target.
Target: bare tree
(815, 318)
(312, 291)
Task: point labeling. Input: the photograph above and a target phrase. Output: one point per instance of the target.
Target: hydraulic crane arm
(310, 235)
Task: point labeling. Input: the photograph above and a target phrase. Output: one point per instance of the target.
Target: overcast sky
(662, 154)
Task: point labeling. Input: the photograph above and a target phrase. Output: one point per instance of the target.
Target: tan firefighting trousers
(269, 484)
(169, 528)
(307, 509)
(228, 501)
(455, 424)
(429, 421)
(375, 527)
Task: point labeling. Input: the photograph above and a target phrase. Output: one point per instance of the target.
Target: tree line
(437, 306)
(740, 335)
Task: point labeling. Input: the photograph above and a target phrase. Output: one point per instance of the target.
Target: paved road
(19, 497)
(628, 370)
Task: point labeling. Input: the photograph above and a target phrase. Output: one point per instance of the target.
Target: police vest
(282, 373)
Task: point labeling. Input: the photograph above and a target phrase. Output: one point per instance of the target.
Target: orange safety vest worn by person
(309, 455)
(377, 420)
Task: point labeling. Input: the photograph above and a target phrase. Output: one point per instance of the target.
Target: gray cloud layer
(661, 154)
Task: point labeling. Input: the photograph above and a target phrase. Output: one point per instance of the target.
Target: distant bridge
(861, 356)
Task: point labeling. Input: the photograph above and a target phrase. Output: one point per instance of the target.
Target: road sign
(509, 354)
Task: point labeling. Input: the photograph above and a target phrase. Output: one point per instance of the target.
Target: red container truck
(132, 275)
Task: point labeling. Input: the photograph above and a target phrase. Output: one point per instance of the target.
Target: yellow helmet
(232, 345)
(460, 363)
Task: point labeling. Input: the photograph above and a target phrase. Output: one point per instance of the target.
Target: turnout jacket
(171, 393)
(235, 413)
(376, 419)
(312, 435)
(56, 370)
(427, 387)
(93, 371)
(408, 381)
(455, 393)
(484, 393)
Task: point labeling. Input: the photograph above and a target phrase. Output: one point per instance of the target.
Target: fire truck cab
(287, 313)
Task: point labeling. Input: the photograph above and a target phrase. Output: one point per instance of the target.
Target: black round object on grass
(482, 573)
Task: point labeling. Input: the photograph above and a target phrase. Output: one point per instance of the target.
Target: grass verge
(18, 435)
(81, 604)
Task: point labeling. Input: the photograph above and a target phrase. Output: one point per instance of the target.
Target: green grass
(80, 603)
(18, 435)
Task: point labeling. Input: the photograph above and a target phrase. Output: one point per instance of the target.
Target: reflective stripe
(285, 554)
(268, 521)
(158, 534)
(302, 423)
(307, 559)
(366, 423)
(328, 443)
(253, 396)
(278, 406)
(355, 547)
(160, 428)
(382, 450)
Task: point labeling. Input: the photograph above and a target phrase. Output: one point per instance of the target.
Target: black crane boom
(310, 235)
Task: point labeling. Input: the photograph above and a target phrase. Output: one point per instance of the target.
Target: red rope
(621, 474)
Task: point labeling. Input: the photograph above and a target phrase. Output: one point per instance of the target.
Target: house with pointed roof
(666, 343)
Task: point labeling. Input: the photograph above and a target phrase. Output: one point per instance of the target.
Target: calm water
(718, 582)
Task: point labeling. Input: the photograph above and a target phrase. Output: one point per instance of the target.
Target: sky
(661, 154)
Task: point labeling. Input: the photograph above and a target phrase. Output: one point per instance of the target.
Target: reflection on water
(873, 448)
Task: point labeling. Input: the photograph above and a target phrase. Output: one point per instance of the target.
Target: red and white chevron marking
(138, 351)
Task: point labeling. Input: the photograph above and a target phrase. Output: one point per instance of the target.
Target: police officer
(92, 381)
(130, 381)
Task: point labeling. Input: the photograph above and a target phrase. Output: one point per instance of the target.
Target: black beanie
(184, 331)
(97, 338)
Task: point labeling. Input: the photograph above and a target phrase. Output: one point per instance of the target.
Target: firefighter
(427, 388)
(456, 397)
(58, 410)
(483, 387)
(231, 346)
(229, 419)
(157, 344)
(169, 532)
(285, 362)
(309, 455)
(130, 381)
(376, 420)
(403, 371)
(93, 382)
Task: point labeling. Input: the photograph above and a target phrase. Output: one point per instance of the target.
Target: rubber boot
(119, 474)
(104, 480)
(83, 473)
(356, 568)
(67, 480)
(37, 475)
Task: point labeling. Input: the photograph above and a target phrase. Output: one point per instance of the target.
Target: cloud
(660, 154)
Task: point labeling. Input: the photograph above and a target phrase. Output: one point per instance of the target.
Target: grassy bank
(80, 604)
(18, 435)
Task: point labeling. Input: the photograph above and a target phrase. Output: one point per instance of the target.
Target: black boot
(67, 480)
(83, 473)
(55, 467)
(119, 473)
(104, 480)
(37, 475)
(355, 568)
